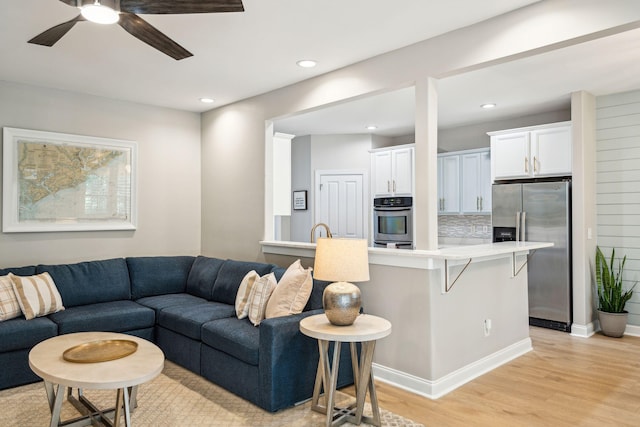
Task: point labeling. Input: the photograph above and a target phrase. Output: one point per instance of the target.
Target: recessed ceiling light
(307, 63)
(207, 100)
(488, 106)
(372, 127)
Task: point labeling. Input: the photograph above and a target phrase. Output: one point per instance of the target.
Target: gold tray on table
(100, 351)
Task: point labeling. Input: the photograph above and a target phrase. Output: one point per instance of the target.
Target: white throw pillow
(9, 306)
(244, 293)
(37, 295)
(262, 289)
(292, 293)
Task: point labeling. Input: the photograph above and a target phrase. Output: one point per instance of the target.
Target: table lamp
(341, 261)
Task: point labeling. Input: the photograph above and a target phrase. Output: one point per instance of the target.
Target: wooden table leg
(366, 383)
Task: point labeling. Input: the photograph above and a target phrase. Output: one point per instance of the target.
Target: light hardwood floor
(564, 381)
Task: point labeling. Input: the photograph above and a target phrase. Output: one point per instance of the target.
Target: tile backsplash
(468, 226)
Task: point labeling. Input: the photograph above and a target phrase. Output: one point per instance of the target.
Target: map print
(66, 182)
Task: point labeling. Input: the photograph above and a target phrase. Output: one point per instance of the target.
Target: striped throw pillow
(244, 294)
(37, 295)
(262, 289)
(9, 307)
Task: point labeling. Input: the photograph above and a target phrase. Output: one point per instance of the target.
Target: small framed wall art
(300, 200)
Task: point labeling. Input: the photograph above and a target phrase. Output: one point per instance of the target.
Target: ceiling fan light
(99, 14)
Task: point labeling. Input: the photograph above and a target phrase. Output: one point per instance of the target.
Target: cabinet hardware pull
(535, 166)
(526, 165)
(481, 203)
(388, 186)
(394, 185)
(477, 203)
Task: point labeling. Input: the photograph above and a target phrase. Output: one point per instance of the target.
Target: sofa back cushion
(230, 276)
(158, 275)
(90, 282)
(202, 276)
(19, 271)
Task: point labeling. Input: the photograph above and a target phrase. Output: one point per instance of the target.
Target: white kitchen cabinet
(476, 182)
(536, 151)
(392, 172)
(448, 184)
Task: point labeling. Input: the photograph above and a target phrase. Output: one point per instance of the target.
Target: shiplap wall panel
(618, 185)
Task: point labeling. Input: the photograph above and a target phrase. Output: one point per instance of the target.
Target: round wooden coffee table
(124, 375)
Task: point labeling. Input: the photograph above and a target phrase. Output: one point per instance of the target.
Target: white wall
(168, 175)
(618, 189)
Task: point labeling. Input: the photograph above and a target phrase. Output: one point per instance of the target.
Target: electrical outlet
(487, 327)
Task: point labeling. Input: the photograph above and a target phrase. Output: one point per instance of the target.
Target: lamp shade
(341, 260)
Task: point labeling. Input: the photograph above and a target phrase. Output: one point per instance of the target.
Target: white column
(583, 119)
(426, 165)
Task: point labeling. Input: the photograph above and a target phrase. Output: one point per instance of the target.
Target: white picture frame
(65, 182)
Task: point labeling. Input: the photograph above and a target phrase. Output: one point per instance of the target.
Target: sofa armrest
(289, 360)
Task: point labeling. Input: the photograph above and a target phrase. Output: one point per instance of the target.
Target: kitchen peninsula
(457, 312)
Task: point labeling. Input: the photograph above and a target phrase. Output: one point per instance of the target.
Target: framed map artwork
(63, 182)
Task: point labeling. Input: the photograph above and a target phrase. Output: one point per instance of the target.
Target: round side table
(365, 330)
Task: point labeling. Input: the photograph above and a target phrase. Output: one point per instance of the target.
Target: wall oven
(393, 222)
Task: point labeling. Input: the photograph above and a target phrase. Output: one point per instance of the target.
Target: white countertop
(414, 258)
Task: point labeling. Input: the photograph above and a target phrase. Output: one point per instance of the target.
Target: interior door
(340, 203)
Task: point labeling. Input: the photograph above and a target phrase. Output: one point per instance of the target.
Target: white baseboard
(438, 388)
(632, 330)
(583, 331)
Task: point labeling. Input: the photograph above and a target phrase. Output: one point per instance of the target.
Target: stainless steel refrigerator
(540, 212)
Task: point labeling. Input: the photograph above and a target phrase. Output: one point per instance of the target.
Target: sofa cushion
(90, 282)
(158, 275)
(37, 295)
(203, 275)
(243, 298)
(292, 292)
(315, 299)
(19, 271)
(260, 294)
(114, 316)
(236, 337)
(160, 302)
(229, 277)
(18, 334)
(9, 306)
(188, 319)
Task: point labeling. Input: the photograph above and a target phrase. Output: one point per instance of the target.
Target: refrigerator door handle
(524, 226)
(517, 226)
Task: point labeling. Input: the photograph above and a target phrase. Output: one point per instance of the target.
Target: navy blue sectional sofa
(185, 305)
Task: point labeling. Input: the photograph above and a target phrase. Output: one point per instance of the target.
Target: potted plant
(611, 296)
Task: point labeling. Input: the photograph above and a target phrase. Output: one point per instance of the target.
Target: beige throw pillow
(9, 306)
(244, 293)
(37, 295)
(292, 293)
(262, 289)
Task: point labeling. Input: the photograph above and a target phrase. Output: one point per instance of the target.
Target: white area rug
(177, 398)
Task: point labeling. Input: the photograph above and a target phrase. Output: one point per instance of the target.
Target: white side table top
(45, 359)
(365, 328)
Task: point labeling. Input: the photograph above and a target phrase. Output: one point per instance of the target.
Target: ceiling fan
(124, 12)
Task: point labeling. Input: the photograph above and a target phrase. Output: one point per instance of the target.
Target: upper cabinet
(476, 182)
(536, 151)
(448, 184)
(392, 172)
(464, 182)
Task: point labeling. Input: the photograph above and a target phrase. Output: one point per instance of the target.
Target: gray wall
(168, 175)
(301, 221)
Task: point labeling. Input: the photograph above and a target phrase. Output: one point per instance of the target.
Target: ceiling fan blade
(53, 34)
(146, 32)
(180, 6)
